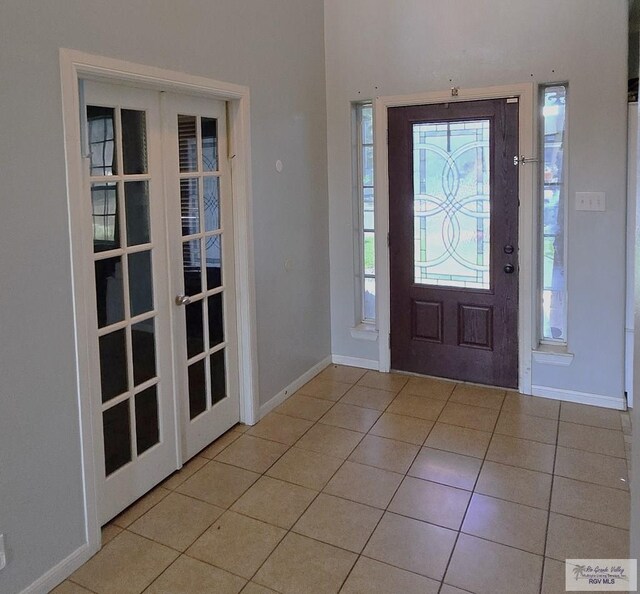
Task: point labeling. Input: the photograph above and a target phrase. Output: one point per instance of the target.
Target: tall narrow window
(553, 171)
(366, 227)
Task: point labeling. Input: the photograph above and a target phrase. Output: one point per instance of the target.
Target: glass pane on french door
(202, 260)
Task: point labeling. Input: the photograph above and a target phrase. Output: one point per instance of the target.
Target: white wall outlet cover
(3, 555)
(279, 166)
(288, 264)
(593, 201)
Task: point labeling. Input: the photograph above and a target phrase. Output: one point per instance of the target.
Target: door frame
(528, 213)
(74, 67)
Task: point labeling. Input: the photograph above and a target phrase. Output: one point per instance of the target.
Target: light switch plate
(594, 201)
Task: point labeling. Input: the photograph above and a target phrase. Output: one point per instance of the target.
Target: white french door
(164, 354)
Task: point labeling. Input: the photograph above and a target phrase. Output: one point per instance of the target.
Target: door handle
(183, 300)
(509, 268)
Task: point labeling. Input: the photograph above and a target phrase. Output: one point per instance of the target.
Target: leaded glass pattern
(452, 205)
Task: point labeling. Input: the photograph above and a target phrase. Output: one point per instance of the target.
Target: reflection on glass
(369, 208)
(192, 267)
(217, 375)
(134, 141)
(147, 422)
(211, 203)
(452, 203)
(216, 324)
(101, 132)
(197, 389)
(144, 351)
(140, 283)
(136, 200)
(113, 364)
(214, 261)
(189, 206)
(195, 328)
(104, 212)
(116, 431)
(209, 144)
(109, 292)
(369, 298)
(367, 165)
(553, 261)
(187, 147)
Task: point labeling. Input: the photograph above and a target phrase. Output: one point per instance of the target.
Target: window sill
(364, 331)
(557, 355)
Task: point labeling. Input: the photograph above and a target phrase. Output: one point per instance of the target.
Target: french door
(163, 352)
(453, 219)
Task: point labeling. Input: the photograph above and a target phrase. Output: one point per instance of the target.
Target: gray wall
(376, 47)
(273, 46)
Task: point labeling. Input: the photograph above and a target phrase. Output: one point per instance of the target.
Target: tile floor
(372, 483)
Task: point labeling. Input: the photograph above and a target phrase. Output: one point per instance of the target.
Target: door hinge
(389, 340)
(388, 240)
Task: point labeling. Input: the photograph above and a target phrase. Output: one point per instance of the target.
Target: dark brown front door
(453, 193)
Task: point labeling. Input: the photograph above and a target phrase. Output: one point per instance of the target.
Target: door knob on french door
(183, 300)
(509, 268)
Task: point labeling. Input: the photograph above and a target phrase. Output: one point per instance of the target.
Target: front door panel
(453, 191)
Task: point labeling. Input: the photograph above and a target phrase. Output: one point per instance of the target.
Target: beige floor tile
(531, 405)
(447, 468)
(218, 484)
(393, 382)
(188, 576)
(330, 440)
(460, 440)
(478, 396)
(176, 521)
(412, 545)
(339, 522)
(592, 468)
(521, 452)
(350, 417)
(372, 577)
(275, 502)
(485, 567)
(70, 588)
(364, 484)
(420, 407)
(570, 538)
(515, 484)
(142, 506)
(253, 588)
(128, 564)
(305, 468)
(300, 564)
(237, 544)
(223, 441)
(188, 469)
(368, 397)
(388, 454)
(429, 387)
(280, 428)
(252, 453)
(402, 428)
(590, 502)
(527, 427)
(553, 577)
(594, 416)
(507, 523)
(464, 415)
(431, 502)
(446, 589)
(109, 532)
(304, 407)
(341, 373)
(591, 439)
(325, 389)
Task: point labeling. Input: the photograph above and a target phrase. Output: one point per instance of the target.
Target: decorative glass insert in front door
(202, 245)
(452, 203)
(123, 253)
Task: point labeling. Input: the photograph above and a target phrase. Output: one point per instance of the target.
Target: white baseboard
(355, 362)
(579, 397)
(295, 385)
(57, 574)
